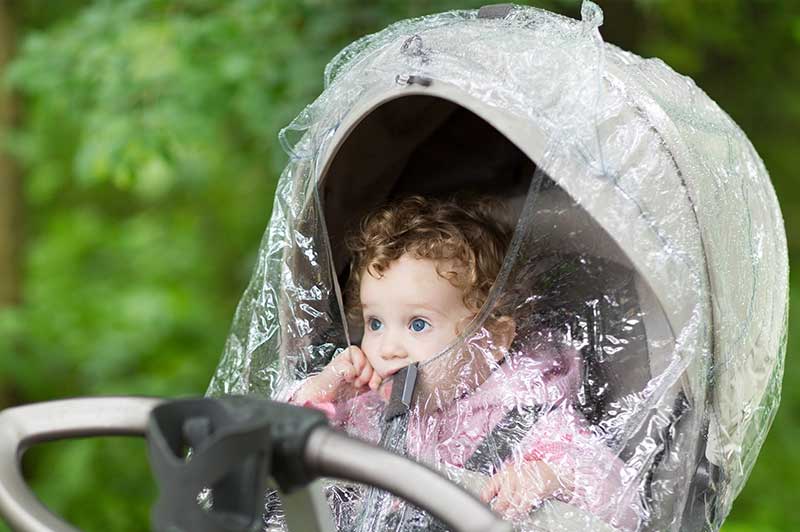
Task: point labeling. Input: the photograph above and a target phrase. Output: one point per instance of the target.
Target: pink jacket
(561, 436)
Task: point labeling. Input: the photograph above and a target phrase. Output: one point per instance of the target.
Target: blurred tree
(149, 162)
(11, 201)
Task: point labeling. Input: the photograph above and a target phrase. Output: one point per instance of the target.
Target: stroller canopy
(648, 238)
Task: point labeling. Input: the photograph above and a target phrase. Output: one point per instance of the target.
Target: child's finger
(515, 498)
(348, 373)
(500, 503)
(359, 381)
(342, 366)
(375, 381)
(508, 493)
(490, 489)
(365, 376)
(358, 358)
(525, 506)
(522, 506)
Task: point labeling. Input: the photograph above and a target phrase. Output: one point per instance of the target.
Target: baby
(422, 270)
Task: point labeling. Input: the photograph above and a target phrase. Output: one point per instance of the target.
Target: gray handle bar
(24, 426)
(331, 453)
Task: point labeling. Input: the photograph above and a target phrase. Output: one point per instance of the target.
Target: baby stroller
(648, 238)
(647, 233)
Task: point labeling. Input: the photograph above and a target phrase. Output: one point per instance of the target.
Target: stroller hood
(648, 245)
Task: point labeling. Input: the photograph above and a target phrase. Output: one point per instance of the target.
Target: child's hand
(353, 366)
(518, 487)
(350, 366)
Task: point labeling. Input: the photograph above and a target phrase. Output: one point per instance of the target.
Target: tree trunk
(10, 179)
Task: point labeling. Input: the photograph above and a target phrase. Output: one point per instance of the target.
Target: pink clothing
(561, 437)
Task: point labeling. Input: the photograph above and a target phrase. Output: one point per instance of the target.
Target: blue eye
(374, 324)
(419, 325)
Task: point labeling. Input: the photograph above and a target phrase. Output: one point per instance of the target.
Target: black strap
(505, 436)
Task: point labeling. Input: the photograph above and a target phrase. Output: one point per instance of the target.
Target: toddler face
(411, 313)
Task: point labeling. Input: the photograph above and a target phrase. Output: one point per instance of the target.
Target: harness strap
(505, 436)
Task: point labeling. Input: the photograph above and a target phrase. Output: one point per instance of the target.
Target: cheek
(370, 345)
(367, 343)
(433, 344)
(370, 349)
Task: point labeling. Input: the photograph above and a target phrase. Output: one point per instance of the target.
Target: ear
(503, 330)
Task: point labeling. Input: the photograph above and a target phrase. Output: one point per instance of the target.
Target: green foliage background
(149, 153)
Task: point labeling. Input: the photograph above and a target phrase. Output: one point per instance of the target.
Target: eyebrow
(430, 309)
(365, 307)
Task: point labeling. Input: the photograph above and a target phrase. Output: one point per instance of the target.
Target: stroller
(647, 233)
(648, 240)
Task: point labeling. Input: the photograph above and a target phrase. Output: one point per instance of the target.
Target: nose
(392, 348)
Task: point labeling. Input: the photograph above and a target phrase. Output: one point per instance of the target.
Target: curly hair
(465, 238)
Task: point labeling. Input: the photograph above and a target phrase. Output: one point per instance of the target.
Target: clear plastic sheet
(647, 277)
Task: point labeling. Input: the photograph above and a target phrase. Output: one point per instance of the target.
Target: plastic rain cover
(647, 277)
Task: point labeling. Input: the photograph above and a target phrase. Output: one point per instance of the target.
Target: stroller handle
(24, 426)
(327, 453)
(333, 454)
